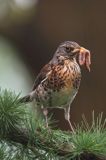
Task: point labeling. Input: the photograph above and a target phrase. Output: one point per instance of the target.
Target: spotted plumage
(58, 82)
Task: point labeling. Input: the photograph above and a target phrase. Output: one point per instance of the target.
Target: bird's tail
(25, 99)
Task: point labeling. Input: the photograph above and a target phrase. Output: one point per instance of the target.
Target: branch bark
(22, 136)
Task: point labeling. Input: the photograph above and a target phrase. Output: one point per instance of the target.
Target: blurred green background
(31, 30)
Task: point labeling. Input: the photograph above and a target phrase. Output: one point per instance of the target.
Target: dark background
(37, 31)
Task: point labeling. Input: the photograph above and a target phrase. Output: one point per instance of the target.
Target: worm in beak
(84, 57)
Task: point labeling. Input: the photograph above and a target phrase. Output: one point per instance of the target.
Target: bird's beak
(83, 50)
(84, 56)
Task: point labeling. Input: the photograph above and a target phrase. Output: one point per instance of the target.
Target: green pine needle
(23, 135)
(11, 112)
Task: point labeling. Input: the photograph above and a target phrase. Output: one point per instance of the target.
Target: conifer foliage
(23, 135)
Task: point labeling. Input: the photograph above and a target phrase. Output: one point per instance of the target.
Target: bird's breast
(61, 85)
(64, 81)
(65, 76)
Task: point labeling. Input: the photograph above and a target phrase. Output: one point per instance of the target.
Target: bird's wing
(45, 71)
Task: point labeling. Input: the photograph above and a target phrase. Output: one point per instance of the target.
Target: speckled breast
(61, 86)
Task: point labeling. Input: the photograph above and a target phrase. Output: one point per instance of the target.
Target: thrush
(58, 81)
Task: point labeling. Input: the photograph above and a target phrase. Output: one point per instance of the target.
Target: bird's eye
(69, 49)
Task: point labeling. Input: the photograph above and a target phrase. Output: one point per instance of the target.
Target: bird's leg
(67, 117)
(45, 113)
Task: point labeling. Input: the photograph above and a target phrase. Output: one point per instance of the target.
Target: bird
(58, 82)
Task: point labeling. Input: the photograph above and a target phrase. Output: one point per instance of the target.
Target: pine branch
(23, 135)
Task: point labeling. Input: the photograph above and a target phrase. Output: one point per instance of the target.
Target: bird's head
(70, 50)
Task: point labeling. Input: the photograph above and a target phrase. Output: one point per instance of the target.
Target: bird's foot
(71, 127)
(45, 113)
